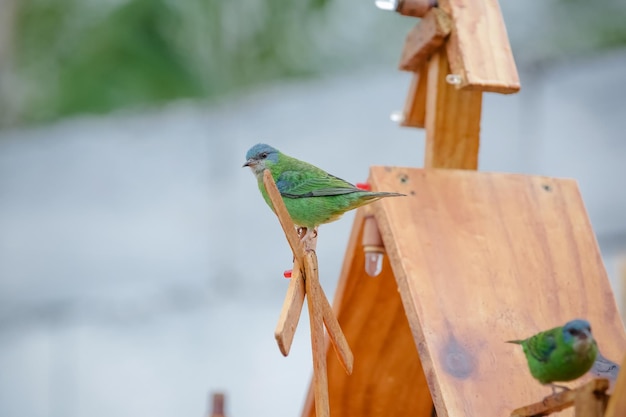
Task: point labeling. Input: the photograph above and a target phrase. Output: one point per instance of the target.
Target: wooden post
(452, 120)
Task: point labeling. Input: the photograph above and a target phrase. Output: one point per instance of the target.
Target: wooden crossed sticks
(305, 280)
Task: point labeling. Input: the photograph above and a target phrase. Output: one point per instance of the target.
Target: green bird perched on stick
(312, 196)
(560, 354)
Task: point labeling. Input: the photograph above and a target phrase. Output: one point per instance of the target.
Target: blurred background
(140, 269)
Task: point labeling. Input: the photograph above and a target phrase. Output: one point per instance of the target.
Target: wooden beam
(478, 47)
(388, 379)
(414, 114)
(425, 39)
(481, 258)
(452, 120)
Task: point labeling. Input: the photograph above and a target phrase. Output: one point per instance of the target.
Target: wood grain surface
(481, 258)
(452, 120)
(479, 48)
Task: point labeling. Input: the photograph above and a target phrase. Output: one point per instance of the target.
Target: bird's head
(578, 334)
(261, 157)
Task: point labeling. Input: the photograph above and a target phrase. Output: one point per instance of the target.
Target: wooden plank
(424, 39)
(481, 258)
(415, 107)
(585, 399)
(387, 378)
(616, 406)
(452, 120)
(478, 47)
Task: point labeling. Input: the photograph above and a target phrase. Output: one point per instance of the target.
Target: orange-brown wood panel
(452, 120)
(481, 258)
(478, 47)
(387, 379)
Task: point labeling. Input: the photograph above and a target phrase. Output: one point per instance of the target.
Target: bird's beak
(248, 163)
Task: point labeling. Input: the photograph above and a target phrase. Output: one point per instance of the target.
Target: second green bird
(560, 354)
(312, 196)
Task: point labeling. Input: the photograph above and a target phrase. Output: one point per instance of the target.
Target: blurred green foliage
(76, 56)
(583, 26)
(86, 56)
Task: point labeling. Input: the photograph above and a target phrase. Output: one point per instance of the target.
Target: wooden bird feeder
(472, 258)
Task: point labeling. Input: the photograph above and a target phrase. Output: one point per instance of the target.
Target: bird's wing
(542, 345)
(298, 184)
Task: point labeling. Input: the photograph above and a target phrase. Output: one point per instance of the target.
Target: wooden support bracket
(452, 120)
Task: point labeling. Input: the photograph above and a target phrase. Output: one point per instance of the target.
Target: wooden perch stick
(305, 280)
(283, 217)
(591, 396)
(320, 376)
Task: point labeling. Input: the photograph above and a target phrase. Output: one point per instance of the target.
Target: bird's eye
(263, 155)
(573, 332)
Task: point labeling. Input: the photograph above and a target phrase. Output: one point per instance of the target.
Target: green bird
(312, 196)
(560, 354)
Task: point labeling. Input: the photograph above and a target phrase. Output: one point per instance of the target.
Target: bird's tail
(381, 194)
(517, 342)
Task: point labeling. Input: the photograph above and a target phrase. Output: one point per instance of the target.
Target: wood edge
(392, 250)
